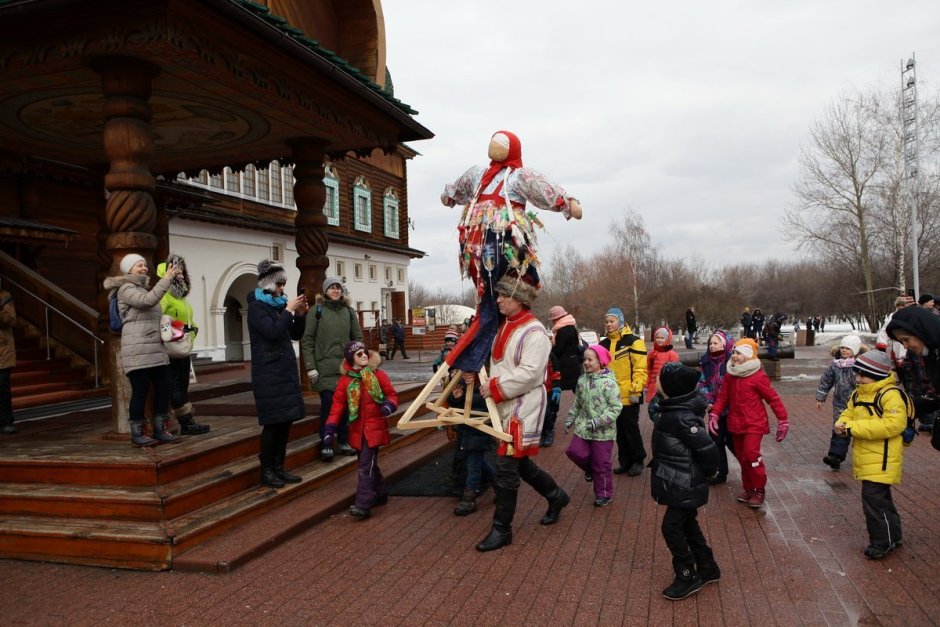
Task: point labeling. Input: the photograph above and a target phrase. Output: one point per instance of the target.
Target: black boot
(270, 478)
(282, 474)
(468, 503)
(501, 533)
(705, 565)
(160, 431)
(8, 428)
(139, 437)
(686, 582)
(557, 500)
(189, 426)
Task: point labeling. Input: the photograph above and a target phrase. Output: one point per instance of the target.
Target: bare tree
(848, 154)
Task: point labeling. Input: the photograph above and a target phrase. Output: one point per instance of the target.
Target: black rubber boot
(686, 582)
(546, 486)
(270, 478)
(160, 431)
(705, 564)
(468, 503)
(282, 474)
(189, 426)
(139, 437)
(501, 533)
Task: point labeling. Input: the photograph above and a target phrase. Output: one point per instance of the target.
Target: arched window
(331, 187)
(362, 204)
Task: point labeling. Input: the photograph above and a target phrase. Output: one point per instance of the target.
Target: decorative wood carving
(310, 195)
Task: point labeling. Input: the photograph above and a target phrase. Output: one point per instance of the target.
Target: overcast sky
(690, 112)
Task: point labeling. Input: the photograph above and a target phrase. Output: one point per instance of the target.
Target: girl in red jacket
(661, 355)
(743, 393)
(366, 393)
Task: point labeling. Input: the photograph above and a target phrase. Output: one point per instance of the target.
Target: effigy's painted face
(499, 147)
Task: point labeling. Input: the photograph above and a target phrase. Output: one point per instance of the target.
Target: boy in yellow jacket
(875, 418)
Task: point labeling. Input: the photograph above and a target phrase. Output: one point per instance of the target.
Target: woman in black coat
(566, 343)
(273, 321)
(918, 328)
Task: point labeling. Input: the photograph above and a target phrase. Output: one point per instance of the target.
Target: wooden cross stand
(454, 415)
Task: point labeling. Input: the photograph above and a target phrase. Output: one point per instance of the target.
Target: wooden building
(103, 105)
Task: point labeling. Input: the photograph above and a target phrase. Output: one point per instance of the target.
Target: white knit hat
(852, 342)
(129, 261)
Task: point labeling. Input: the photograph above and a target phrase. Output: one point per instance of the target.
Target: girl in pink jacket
(661, 355)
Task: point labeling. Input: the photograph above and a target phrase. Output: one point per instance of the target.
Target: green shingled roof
(311, 44)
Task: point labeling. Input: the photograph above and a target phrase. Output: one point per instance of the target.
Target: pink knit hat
(556, 312)
(603, 355)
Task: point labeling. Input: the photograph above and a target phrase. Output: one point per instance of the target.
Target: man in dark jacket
(690, 326)
(919, 331)
(684, 457)
(398, 340)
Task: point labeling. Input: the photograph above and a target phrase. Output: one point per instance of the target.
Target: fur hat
(332, 280)
(350, 350)
(873, 364)
(678, 380)
(616, 313)
(556, 312)
(852, 342)
(129, 261)
(270, 274)
(517, 287)
(603, 355)
(747, 347)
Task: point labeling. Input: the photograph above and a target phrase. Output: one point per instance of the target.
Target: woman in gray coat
(143, 358)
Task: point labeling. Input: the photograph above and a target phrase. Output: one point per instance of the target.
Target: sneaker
(744, 497)
(635, 469)
(756, 499)
(832, 461)
(604, 502)
(873, 552)
(359, 512)
(326, 454)
(345, 449)
(588, 476)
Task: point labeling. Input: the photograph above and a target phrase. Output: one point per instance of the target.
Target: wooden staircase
(43, 379)
(72, 492)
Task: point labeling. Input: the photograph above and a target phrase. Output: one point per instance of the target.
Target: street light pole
(909, 137)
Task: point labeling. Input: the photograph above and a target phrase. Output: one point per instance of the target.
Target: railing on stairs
(67, 335)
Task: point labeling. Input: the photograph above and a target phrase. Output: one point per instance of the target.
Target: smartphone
(302, 291)
(910, 292)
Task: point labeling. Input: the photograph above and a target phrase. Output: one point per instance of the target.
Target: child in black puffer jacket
(684, 458)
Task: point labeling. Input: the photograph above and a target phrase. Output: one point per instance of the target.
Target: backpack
(874, 408)
(116, 318)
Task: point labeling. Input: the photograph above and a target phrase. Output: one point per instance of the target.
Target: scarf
(278, 302)
(564, 321)
(513, 160)
(716, 373)
(848, 362)
(354, 390)
(744, 370)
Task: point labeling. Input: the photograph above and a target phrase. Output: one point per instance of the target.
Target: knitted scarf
(278, 302)
(744, 370)
(354, 390)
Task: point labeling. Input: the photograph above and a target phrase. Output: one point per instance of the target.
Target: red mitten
(783, 426)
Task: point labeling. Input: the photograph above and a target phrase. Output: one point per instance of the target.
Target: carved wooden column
(309, 194)
(130, 215)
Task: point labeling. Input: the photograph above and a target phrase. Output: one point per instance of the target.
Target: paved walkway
(798, 561)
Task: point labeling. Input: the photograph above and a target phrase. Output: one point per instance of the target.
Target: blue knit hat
(615, 312)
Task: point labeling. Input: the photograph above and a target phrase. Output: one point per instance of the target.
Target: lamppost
(909, 138)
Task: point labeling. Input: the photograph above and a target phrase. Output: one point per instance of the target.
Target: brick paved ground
(797, 561)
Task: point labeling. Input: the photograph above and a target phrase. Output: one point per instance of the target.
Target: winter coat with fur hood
(839, 377)
(684, 455)
(141, 346)
(331, 324)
